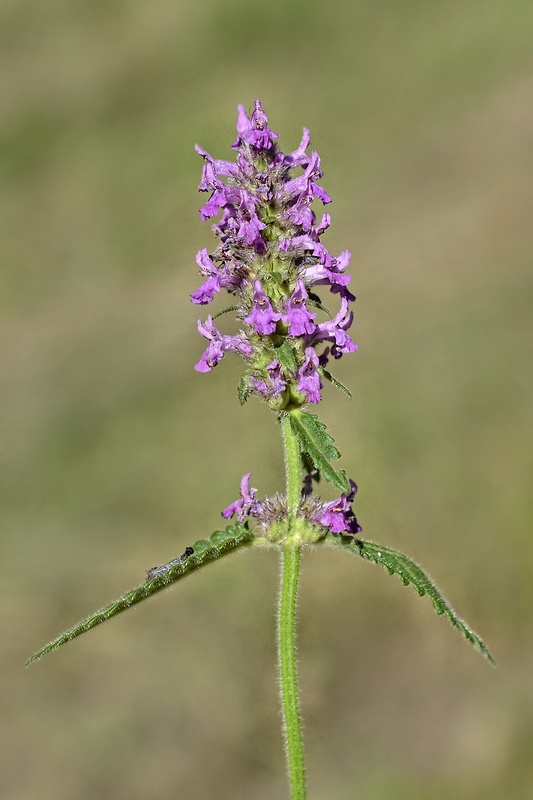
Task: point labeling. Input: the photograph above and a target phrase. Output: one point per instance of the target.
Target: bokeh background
(115, 454)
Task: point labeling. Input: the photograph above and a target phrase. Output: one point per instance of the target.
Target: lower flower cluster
(335, 517)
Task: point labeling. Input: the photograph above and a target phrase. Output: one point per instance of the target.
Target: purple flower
(213, 169)
(272, 384)
(310, 383)
(277, 380)
(270, 258)
(263, 317)
(250, 227)
(334, 330)
(260, 385)
(300, 214)
(217, 201)
(247, 505)
(217, 278)
(297, 317)
(254, 130)
(330, 272)
(298, 157)
(210, 287)
(338, 516)
(219, 344)
(305, 185)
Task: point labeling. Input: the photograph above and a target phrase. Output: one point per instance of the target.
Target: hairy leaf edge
(396, 563)
(219, 544)
(304, 425)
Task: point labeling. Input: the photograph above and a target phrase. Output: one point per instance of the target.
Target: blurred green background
(116, 454)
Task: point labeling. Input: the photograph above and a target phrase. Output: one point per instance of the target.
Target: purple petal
(263, 317)
(297, 317)
(334, 331)
(254, 130)
(310, 383)
(299, 158)
(247, 505)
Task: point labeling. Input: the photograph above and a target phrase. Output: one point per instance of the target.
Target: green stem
(292, 466)
(288, 670)
(287, 623)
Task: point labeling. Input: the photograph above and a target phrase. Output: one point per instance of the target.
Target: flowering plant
(270, 258)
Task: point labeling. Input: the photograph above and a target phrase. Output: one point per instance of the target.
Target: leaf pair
(236, 536)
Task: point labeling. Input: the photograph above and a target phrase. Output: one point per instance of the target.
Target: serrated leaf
(319, 445)
(204, 551)
(336, 382)
(411, 574)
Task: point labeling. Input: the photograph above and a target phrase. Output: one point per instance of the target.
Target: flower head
(271, 259)
(316, 518)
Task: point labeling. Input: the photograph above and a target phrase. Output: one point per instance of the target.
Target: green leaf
(410, 573)
(204, 551)
(318, 444)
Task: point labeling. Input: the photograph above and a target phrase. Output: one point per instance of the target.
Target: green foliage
(314, 440)
(410, 573)
(204, 551)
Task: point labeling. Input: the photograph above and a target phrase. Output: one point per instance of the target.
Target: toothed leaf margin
(314, 440)
(204, 551)
(411, 574)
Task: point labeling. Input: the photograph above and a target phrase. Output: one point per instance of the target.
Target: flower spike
(271, 259)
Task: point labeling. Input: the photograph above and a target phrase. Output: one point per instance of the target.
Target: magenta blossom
(247, 505)
(263, 317)
(272, 261)
(310, 383)
(338, 516)
(219, 344)
(297, 316)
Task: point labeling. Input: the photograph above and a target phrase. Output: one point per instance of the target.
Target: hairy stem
(287, 624)
(292, 466)
(288, 670)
